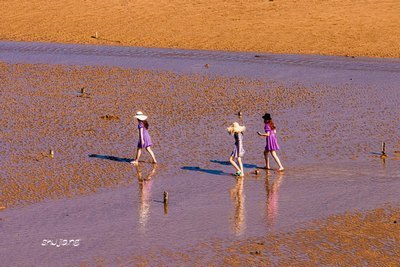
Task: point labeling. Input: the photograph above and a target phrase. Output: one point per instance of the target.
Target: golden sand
(335, 27)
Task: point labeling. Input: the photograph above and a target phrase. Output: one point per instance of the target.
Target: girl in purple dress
(238, 151)
(272, 144)
(144, 138)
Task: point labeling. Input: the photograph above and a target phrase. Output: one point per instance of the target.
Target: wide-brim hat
(267, 116)
(236, 128)
(140, 116)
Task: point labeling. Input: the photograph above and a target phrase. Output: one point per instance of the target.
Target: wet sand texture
(351, 239)
(328, 135)
(336, 27)
(43, 110)
(49, 112)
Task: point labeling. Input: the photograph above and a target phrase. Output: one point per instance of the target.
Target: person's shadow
(227, 163)
(110, 158)
(209, 171)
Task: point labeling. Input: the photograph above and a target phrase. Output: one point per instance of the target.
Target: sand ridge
(337, 27)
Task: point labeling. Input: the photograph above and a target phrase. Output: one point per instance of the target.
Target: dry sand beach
(337, 202)
(335, 27)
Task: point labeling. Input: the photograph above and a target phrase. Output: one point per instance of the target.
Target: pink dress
(272, 143)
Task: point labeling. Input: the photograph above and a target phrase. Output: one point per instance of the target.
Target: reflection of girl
(272, 144)
(238, 197)
(238, 151)
(144, 138)
(272, 199)
(144, 195)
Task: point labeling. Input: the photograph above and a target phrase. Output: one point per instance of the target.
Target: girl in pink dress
(272, 144)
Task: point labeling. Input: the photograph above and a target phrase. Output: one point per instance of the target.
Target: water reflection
(145, 183)
(238, 218)
(272, 189)
(383, 158)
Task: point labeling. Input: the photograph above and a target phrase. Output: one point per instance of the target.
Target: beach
(337, 27)
(74, 74)
(330, 133)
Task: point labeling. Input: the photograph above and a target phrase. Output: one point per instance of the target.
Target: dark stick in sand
(383, 149)
(165, 197)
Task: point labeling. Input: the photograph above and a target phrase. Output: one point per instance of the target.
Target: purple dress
(238, 150)
(272, 143)
(146, 137)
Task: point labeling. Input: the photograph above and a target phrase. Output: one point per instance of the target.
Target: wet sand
(336, 27)
(327, 242)
(330, 135)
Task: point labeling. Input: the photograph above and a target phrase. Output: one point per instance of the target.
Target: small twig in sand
(383, 150)
(165, 197)
(109, 117)
(84, 94)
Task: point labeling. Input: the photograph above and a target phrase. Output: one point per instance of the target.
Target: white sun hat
(236, 128)
(140, 116)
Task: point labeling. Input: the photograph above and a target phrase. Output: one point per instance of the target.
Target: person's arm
(265, 134)
(141, 135)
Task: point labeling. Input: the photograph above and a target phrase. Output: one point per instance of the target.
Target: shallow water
(329, 128)
(304, 69)
(131, 220)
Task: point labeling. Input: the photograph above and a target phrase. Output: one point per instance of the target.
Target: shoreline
(191, 50)
(199, 49)
(324, 70)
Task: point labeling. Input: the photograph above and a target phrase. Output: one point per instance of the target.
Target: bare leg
(152, 154)
(275, 156)
(241, 165)
(234, 164)
(138, 154)
(266, 160)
